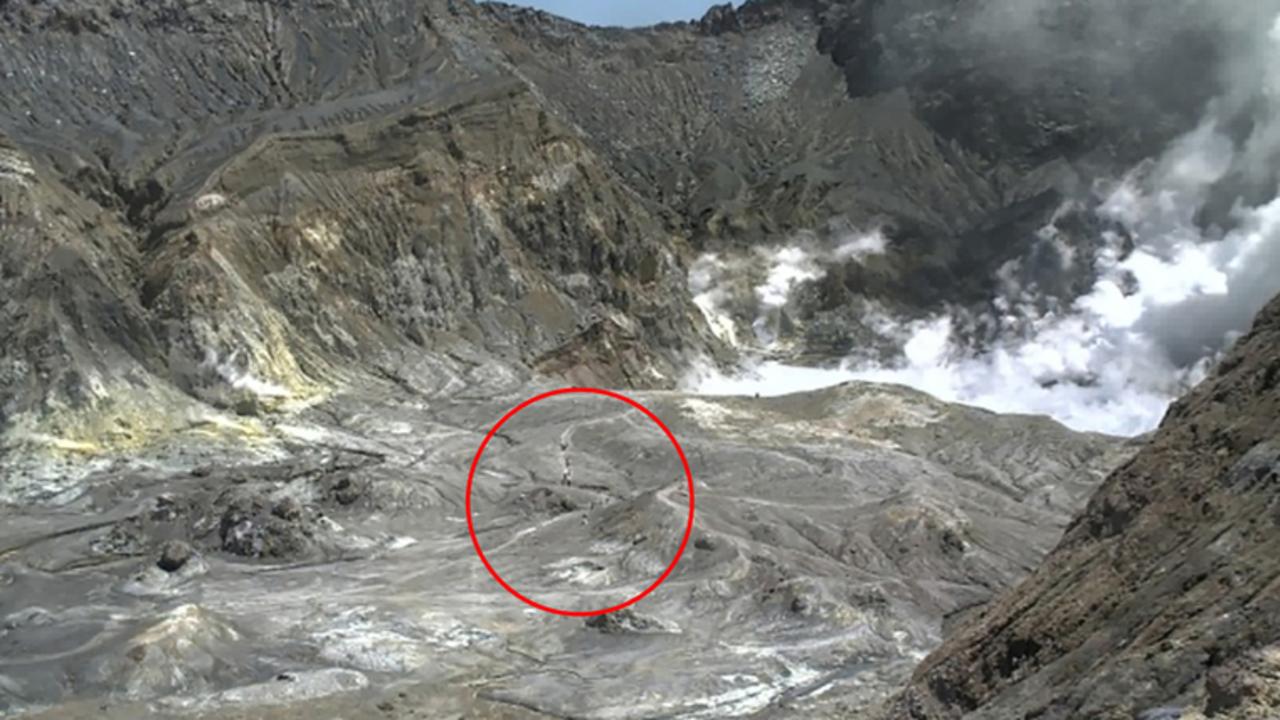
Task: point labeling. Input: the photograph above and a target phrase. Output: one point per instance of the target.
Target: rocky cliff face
(245, 206)
(1162, 594)
(260, 198)
(955, 125)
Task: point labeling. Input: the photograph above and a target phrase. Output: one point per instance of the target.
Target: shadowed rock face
(1161, 594)
(944, 110)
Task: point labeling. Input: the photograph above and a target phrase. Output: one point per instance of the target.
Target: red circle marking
(471, 477)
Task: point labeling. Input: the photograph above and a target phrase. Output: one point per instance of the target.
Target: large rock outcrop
(1162, 594)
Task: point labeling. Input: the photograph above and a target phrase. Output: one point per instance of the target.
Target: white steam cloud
(1169, 296)
(764, 279)
(229, 370)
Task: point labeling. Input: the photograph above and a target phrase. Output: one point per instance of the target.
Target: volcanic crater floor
(835, 534)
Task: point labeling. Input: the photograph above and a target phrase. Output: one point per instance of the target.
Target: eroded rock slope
(1163, 592)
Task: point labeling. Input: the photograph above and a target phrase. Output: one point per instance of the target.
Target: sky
(623, 12)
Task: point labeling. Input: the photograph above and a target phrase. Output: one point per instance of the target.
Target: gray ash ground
(818, 573)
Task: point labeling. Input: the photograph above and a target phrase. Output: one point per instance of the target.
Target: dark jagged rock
(174, 556)
(719, 20)
(625, 621)
(250, 527)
